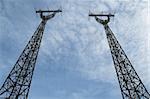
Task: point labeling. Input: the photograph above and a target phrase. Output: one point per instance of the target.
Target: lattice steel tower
(130, 84)
(18, 82)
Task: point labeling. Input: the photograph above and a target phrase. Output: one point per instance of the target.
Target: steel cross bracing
(129, 81)
(18, 82)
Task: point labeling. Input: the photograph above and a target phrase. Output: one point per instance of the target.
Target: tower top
(101, 20)
(51, 13)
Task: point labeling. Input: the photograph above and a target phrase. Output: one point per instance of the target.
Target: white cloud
(73, 33)
(90, 40)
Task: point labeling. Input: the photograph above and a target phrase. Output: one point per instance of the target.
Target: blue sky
(74, 60)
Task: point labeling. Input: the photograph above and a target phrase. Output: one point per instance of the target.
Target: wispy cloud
(74, 49)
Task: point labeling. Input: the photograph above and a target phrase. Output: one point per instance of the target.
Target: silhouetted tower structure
(18, 82)
(130, 84)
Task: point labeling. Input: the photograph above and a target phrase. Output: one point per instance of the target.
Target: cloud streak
(74, 49)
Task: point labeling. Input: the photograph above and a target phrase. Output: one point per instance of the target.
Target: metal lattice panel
(18, 82)
(129, 81)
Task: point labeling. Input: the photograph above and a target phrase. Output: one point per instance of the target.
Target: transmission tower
(130, 84)
(18, 82)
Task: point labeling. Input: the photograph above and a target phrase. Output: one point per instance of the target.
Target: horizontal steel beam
(109, 15)
(44, 11)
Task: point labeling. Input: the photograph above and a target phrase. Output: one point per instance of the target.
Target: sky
(74, 61)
